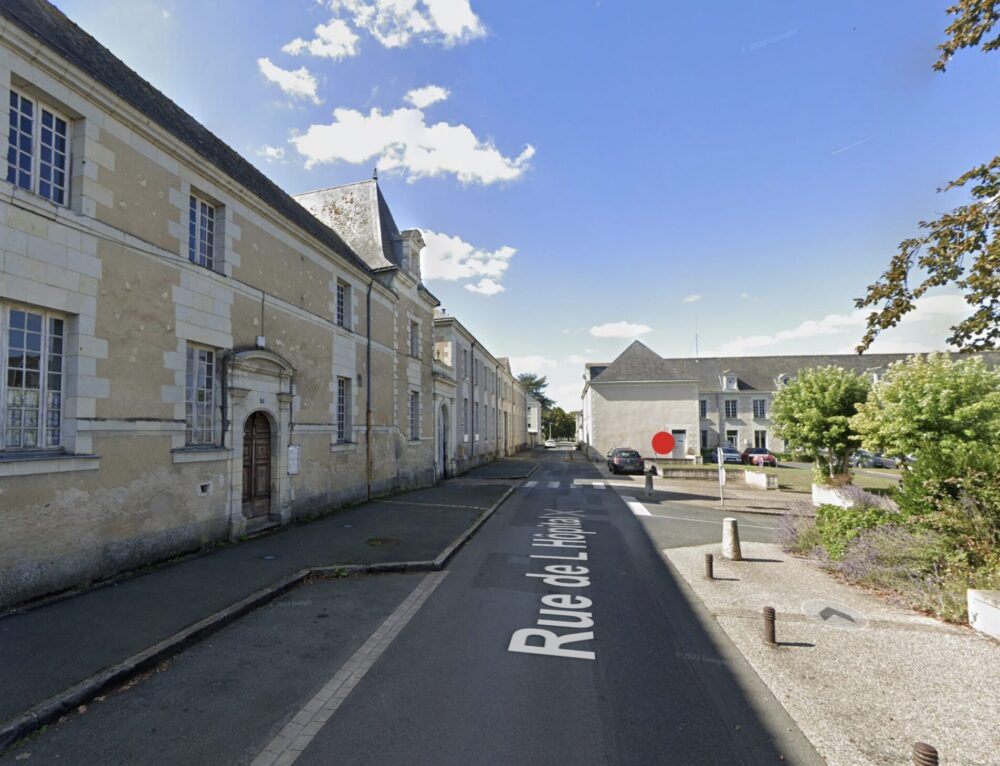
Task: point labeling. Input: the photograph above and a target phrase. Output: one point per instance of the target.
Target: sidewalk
(862, 691)
(84, 641)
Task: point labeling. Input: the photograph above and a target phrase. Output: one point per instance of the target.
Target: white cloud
(424, 97)
(334, 40)
(395, 23)
(744, 295)
(298, 83)
(535, 364)
(924, 329)
(619, 330)
(486, 287)
(402, 140)
(271, 153)
(452, 258)
(577, 359)
(691, 298)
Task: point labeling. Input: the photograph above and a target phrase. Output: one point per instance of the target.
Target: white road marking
(288, 744)
(709, 521)
(599, 485)
(530, 484)
(635, 506)
(553, 485)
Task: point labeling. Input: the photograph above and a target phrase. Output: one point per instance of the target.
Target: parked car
(758, 456)
(624, 460)
(550, 443)
(729, 455)
(865, 459)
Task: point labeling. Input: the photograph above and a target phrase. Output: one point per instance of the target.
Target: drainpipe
(368, 386)
(475, 405)
(226, 357)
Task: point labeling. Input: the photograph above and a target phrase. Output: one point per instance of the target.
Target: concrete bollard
(709, 567)
(649, 485)
(924, 755)
(769, 625)
(731, 540)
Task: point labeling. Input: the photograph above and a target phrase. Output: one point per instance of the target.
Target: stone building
(703, 403)
(186, 353)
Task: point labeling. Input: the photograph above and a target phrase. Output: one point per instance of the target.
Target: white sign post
(722, 476)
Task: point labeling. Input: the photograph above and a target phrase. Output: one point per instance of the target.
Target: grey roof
(48, 24)
(359, 213)
(753, 373)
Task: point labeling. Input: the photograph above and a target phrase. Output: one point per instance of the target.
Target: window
(475, 422)
(414, 415)
(201, 233)
(465, 418)
(33, 381)
(733, 439)
(415, 339)
(760, 439)
(465, 362)
(731, 408)
(343, 410)
(343, 304)
(199, 400)
(760, 408)
(38, 149)
(703, 408)
(704, 439)
(729, 383)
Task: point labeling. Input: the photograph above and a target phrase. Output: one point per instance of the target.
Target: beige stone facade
(187, 354)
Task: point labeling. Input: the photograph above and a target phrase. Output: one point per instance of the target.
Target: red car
(758, 456)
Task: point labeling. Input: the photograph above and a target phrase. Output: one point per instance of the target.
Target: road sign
(663, 443)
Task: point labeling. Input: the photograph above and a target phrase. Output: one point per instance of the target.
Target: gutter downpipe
(368, 386)
(475, 407)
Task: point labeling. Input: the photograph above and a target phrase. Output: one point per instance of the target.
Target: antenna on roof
(375, 174)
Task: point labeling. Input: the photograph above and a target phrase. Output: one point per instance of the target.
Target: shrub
(836, 526)
(798, 534)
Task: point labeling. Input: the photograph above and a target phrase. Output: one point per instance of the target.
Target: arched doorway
(443, 442)
(256, 466)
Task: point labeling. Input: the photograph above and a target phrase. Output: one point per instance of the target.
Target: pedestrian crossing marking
(599, 485)
(530, 484)
(635, 506)
(553, 485)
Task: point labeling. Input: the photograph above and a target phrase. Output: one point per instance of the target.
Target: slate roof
(753, 373)
(49, 25)
(358, 211)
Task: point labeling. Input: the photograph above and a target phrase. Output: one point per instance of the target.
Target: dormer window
(781, 380)
(729, 382)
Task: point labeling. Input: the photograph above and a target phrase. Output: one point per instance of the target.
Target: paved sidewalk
(862, 692)
(50, 648)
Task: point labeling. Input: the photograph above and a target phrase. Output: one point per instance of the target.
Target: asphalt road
(650, 681)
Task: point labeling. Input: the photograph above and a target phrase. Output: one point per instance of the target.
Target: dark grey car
(625, 460)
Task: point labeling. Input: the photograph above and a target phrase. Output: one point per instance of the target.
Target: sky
(716, 178)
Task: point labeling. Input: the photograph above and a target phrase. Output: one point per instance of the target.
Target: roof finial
(375, 174)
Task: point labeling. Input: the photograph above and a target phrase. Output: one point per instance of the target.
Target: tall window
(201, 233)
(703, 408)
(415, 339)
(732, 438)
(414, 415)
(31, 410)
(704, 439)
(199, 400)
(760, 408)
(343, 409)
(760, 439)
(37, 149)
(731, 410)
(465, 362)
(343, 303)
(465, 417)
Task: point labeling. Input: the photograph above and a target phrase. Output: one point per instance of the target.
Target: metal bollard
(709, 573)
(769, 625)
(924, 755)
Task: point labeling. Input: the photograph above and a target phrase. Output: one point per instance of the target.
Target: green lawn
(800, 479)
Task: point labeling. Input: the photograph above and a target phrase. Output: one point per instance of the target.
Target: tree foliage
(563, 423)
(814, 411)
(929, 403)
(536, 385)
(961, 248)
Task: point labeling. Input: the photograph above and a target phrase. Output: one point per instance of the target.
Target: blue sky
(736, 170)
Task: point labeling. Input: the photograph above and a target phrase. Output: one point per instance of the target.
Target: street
(557, 635)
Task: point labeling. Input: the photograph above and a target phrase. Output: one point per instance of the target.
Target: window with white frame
(703, 408)
(732, 438)
(201, 232)
(343, 410)
(199, 398)
(760, 408)
(731, 408)
(38, 148)
(414, 415)
(343, 304)
(760, 439)
(415, 339)
(729, 383)
(32, 383)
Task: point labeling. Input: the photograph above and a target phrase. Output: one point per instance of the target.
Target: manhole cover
(834, 613)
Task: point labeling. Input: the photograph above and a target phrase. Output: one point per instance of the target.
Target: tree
(814, 411)
(536, 385)
(930, 403)
(962, 247)
(563, 423)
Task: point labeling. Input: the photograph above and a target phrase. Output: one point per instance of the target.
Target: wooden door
(256, 466)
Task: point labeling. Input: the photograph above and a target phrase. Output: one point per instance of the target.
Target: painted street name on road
(566, 540)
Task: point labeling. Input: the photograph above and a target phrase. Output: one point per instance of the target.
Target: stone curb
(58, 705)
